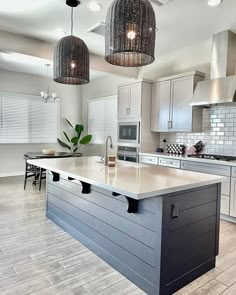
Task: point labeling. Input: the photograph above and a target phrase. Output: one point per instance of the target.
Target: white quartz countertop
(137, 181)
(186, 158)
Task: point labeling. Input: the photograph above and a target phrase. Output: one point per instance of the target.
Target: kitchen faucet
(106, 150)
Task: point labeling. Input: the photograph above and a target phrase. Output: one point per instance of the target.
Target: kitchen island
(158, 226)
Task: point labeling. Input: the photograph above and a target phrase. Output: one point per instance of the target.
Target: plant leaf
(69, 123)
(86, 139)
(66, 136)
(79, 129)
(63, 144)
(75, 150)
(75, 140)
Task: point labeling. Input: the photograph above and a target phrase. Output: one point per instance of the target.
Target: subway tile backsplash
(218, 132)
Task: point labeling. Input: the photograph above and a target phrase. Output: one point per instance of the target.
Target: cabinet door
(135, 101)
(123, 102)
(233, 197)
(181, 111)
(224, 205)
(160, 113)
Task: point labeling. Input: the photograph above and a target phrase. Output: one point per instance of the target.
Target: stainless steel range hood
(222, 86)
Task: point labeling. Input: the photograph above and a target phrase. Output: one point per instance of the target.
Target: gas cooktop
(214, 157)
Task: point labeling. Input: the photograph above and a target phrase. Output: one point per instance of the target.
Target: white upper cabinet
(181, 113)
(123, 102)
(129, 101)
(171, 110)
(160, 111)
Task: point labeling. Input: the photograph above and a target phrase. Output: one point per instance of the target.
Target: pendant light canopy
(71, 57)
(130, 33)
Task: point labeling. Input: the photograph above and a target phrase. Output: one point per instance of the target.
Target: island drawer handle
(174, 210)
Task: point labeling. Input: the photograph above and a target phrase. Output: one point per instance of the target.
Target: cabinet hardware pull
(174, 210)
(55, 176)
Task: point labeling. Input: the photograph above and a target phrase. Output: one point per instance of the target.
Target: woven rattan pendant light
(71, 57)
(130, 33)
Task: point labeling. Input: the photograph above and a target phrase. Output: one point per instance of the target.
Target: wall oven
(128, 153)
(129, 132)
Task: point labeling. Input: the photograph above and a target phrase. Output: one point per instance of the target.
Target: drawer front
(148, 160)
(169, 162)
(206, 168)
(224, 207)
(233, 171)
(225, 187)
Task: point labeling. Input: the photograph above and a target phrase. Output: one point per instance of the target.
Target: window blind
(27, 119)
(102, 119)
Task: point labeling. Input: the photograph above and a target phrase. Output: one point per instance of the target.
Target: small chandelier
(130, 33)
(46, 95)
(71, 57)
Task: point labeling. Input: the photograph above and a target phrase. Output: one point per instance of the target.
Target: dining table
(40, 155)
(39, 173)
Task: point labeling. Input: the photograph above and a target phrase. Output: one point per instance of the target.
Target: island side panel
(131, 243)
(190, 237)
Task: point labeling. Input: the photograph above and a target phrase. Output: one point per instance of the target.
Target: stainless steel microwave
(129, 132)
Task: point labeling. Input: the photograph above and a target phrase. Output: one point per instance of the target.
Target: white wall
(197, 57)
(95, 89)
(11, 155)
(218, 132)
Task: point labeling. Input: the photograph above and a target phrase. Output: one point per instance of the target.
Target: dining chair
(36, 172)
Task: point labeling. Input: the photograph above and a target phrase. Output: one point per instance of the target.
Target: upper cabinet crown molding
(171, 110)
(134, 81)
(181, 75)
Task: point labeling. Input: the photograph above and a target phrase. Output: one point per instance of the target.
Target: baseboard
(228, 218)
(9, 174)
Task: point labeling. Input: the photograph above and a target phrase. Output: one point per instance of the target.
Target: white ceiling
(181, 23)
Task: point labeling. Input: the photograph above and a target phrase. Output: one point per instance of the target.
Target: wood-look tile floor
(39, 258)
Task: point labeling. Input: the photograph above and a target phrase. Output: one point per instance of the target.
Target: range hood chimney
(222, 86)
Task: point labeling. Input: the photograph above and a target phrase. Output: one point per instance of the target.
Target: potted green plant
(74, 143)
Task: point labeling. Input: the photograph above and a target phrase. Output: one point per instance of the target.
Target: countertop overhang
(137, 181)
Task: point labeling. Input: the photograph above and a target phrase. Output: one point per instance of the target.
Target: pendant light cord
(72, 20)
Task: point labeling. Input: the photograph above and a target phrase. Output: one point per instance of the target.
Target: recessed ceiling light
(94, 6)
(214, 2)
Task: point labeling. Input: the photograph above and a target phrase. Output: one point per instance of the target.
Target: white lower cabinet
(225, 197)
(225, 187)
(171, 163)
(148, 160)
(228, 187)
(224, 208)
(233, 197)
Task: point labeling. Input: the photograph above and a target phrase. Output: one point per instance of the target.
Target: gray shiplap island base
(171, 240)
